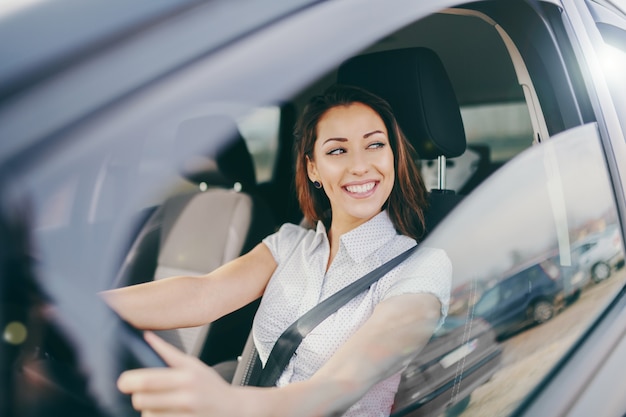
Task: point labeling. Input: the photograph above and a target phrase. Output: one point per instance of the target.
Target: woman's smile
(362, 190)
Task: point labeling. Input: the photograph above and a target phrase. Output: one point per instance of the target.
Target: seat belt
(290, 339)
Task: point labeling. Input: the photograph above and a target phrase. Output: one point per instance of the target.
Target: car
(465, 296)
(117, 118)
(532, 295)
(599, 254)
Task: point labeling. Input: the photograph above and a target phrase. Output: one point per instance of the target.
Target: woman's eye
(376, 145)
(336, 151)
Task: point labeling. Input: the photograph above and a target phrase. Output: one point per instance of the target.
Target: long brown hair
(407, 200)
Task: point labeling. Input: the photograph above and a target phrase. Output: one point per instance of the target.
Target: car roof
(63, 41)
(70, 30)
(75, 60)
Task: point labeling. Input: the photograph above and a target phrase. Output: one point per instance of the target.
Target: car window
(260, 131)
(610, 19)
(495, 132)
(504, 127)
(547, 200)
(613, 60)
(488, 301)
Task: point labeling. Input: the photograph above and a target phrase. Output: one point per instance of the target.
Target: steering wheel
(132, 339)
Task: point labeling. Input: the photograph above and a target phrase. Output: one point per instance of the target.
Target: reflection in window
(488, 301)
(540, 240)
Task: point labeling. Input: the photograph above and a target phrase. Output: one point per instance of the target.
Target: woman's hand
(187, 388)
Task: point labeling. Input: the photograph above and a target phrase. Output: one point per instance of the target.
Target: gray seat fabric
(194, 233)
(201, 232)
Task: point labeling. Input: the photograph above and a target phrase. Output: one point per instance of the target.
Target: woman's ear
(311, 169)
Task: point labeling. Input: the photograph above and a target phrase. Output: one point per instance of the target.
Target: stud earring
(317, 184)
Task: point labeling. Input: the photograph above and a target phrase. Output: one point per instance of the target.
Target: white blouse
(300, 282)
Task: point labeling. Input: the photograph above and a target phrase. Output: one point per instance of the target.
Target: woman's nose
(359, 163)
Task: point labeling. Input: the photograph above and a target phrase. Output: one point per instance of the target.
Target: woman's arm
(185, 301)
(397, 330)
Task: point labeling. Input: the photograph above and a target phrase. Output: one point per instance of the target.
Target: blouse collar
(365, 239)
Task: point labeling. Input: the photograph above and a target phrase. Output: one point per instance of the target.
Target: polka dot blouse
(301, 281)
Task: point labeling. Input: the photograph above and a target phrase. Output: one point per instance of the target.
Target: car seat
(416, 85)
(195, 232)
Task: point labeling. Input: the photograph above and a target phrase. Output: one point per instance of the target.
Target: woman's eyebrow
(367, 135)
(336, 139)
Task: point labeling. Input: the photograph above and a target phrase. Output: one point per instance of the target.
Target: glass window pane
(525, 241)
(495, 133)
(260, 131)
(505, 127)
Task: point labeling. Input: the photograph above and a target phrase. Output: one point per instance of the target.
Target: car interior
(225, 219)
(422, 97)
(441, 83)
(426, 107)
(473, 87)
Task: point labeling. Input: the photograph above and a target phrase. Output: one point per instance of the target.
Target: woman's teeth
(361, 188)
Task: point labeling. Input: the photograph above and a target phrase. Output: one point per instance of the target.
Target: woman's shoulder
(286, 238)
(423, 252)
(423, 258)
(291, 231)
(429, 258)
(427, 270)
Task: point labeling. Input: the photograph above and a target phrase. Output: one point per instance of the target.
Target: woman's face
(353, 160)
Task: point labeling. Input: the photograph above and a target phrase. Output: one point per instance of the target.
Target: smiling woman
(356, 170)
(370, 149)
(348, 149)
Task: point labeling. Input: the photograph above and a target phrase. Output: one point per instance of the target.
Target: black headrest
(415, 83)
(214, 152)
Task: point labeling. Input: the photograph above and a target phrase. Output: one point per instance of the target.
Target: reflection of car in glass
(94, 102)
(466, 295)
(599, 254)
(432, 382)
(532, 295)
